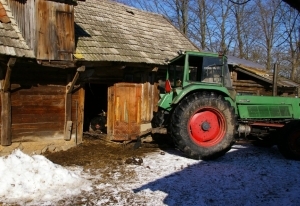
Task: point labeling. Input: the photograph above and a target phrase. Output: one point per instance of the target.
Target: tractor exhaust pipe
(275, 74)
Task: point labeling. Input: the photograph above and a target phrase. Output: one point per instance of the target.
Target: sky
(246, 175)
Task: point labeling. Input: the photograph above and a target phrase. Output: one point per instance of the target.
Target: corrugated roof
(110, 31)
(11, 41)
(259, 71)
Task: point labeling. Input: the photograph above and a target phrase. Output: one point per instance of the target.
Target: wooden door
(124, 111)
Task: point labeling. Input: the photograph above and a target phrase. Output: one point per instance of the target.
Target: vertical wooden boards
(124, 115)
(55, 30)
(65, 35)
(25, 15)
(129, 106)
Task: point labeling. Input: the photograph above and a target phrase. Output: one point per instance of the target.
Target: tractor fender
(179, 94)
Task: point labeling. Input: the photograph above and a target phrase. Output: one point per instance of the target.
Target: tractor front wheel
(203, 126)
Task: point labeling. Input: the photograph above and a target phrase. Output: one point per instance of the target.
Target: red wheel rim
(294, 142)
(207, 127)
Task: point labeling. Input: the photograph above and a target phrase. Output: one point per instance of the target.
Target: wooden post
(5, 119)
(6, 139)
(275, 73)
(68, 105)
(80, 114)
(68, 116)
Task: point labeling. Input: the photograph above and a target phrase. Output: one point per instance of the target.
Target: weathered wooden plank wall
(38, 104)
(38, 112)
(55, 30)
(47, 26)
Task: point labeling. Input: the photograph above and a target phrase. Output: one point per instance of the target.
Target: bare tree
(288, 47)
(268, 22)
(200, 18)
(222, 28)
(244, 27)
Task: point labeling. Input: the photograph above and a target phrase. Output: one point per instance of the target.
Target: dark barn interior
(95, 102)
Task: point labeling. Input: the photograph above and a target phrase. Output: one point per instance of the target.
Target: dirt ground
(99, 156)
(97, 153)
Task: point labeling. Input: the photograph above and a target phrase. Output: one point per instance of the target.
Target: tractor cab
(194, 68)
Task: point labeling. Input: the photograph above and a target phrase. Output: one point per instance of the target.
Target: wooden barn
(253, 79)
(61, 62)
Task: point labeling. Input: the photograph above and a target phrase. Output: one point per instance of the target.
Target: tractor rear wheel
(203, 126)
(289, 141)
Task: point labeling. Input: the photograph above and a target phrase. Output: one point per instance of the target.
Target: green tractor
(204, 116)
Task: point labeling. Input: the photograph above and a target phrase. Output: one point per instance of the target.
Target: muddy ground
(96, 152)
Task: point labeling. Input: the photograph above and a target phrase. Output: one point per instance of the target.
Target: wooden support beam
(68, 115)
(70, 86)
(5, 119)
(6, 84)
(6, 139)
(68, 105)
(80, 115)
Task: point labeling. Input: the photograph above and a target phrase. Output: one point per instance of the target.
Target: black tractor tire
(203, 126)
(289, 141)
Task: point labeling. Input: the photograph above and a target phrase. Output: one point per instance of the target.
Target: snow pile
(33, 179)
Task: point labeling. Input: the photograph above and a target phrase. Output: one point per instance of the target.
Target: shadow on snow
(246, 175)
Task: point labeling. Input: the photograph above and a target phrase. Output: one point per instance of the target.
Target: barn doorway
(95, 102)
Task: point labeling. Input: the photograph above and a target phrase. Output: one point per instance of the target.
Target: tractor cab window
(227, 78)
(176, 70)
(212, 74)
(176, 75)
(212, 70)
(207, 69)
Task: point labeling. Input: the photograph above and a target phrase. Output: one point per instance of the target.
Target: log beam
(6, 138)
(70, 86)
(6, 83)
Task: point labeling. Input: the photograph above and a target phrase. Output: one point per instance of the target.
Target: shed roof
(11, 41)
(258, 71)
(110, 31)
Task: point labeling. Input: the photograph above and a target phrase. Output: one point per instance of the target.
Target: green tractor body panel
(259, 107)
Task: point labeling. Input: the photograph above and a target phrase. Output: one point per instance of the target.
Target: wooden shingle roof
(11, 41)
(110, 31)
